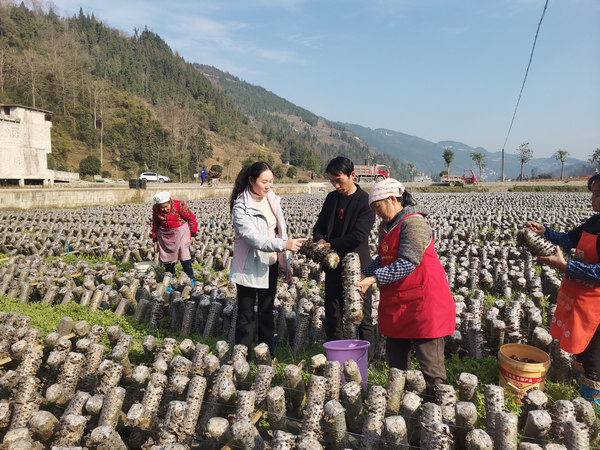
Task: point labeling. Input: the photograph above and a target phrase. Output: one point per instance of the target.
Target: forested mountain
(296, 129)
(130, 101)
(137, 105)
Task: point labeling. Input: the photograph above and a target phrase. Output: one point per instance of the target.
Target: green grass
(198, 268)
(488, 301)
(561, 391)
(72, 258)
(486, 369)
(46, 318)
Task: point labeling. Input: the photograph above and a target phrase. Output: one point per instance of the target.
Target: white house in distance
(24, 146)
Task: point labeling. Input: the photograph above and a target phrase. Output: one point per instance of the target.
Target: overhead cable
(526, 73)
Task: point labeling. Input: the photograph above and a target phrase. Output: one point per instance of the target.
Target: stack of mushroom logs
(476, 244)
(65, 393)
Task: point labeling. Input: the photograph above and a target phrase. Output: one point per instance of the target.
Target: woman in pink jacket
(416, 308)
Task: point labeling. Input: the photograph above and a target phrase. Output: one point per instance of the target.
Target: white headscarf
(162, 197)
(384, 189)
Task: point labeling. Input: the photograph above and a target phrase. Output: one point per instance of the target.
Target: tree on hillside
(448, 157)
(292, 172)
(216, 169)
(99, 112)
(32, 67)
(278, 171)
(525, 154)
(247, 162)
(62, 144)
(411, 171)
(226, 165)
(177, 126)
(595, 158)
(90, 165)
(534, 173)
(478, 158)
(3, 64)
(186, 138)
(312, 162)
(561, 155)
(188, 143)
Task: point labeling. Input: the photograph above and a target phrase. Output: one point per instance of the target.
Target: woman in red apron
(576, 321)
(174, 229)
(416, 308)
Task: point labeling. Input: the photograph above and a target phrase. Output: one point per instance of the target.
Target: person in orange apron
(576, 321)
(416, 308)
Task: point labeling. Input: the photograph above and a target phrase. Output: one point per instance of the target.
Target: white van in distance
(153, 176)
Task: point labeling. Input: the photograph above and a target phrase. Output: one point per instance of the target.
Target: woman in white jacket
(259, 252)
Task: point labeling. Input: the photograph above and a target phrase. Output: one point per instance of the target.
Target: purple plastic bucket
(346, 349)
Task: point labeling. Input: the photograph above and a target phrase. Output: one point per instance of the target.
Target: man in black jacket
(343, 225)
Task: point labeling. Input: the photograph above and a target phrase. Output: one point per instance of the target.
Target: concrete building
(24, 146)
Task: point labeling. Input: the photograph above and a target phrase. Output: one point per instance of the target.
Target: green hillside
(137, 105)
(296, 130)
(129, 101)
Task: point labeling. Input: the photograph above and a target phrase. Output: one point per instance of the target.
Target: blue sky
(436, 69)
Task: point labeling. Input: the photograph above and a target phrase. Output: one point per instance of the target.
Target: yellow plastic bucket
(522, 367)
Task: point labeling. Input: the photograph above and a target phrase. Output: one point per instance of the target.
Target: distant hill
(282, 119)
(427, 156)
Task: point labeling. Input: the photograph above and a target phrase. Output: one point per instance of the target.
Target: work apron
(577, 312)
(420, 305)
(174, 244)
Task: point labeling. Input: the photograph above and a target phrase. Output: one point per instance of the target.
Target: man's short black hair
(340, 165)
(592, 180)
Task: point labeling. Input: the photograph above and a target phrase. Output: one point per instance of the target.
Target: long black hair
(407, 199)
(242, 181)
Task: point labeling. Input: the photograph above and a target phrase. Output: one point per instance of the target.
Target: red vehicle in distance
(374, 172)
(468, 177)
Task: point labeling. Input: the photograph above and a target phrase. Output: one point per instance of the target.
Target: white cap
(162, 197)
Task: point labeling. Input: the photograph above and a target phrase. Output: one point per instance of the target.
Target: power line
(523, 85)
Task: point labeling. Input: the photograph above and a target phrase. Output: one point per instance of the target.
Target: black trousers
(334, 311)
(590, 358)
(186, 265)
(430, 353)
(246, 319)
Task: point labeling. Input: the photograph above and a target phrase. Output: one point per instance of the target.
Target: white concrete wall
(60, 175)
(24, 143)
